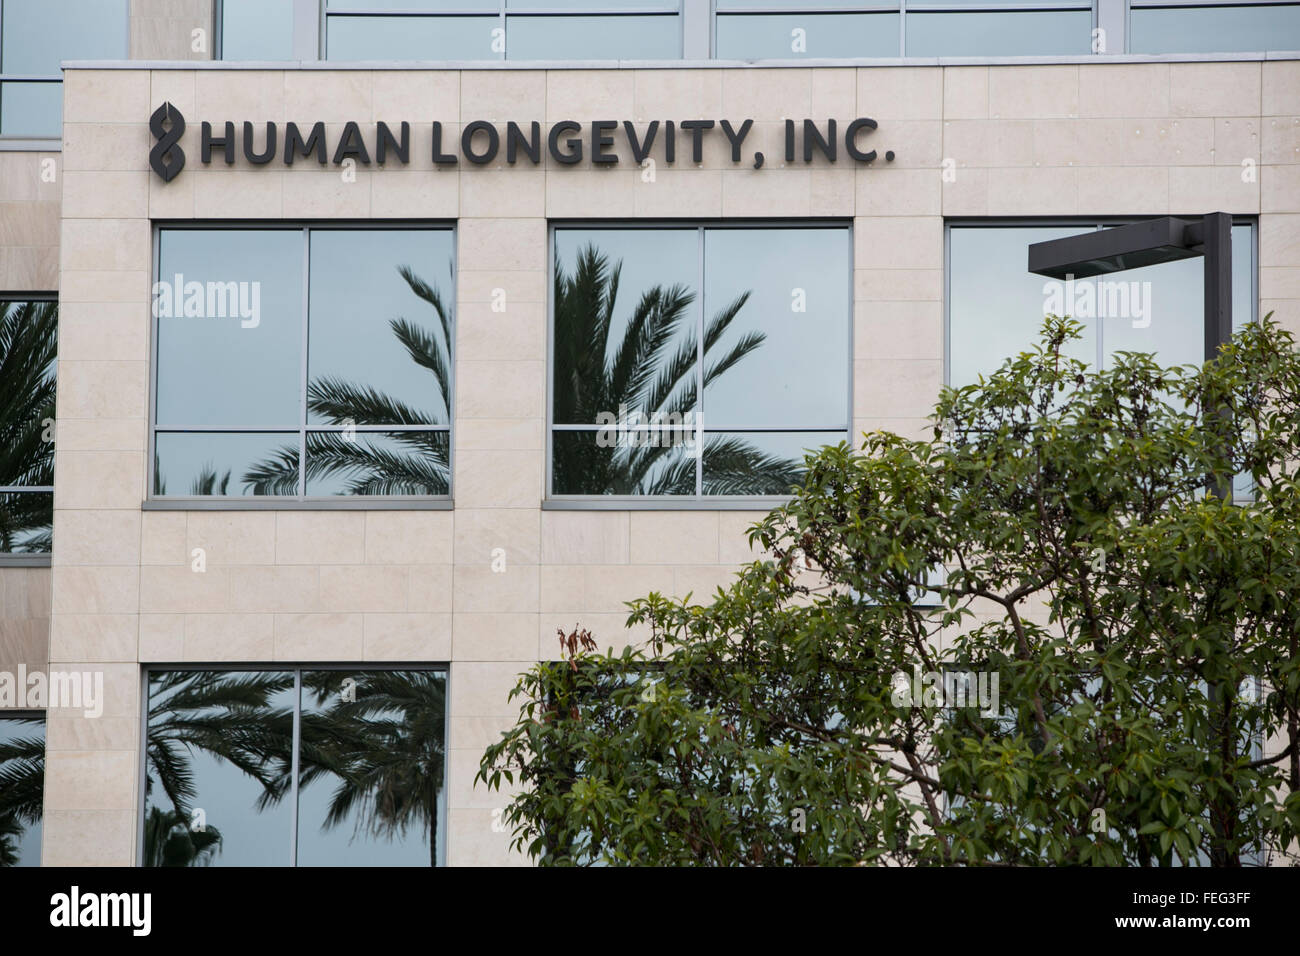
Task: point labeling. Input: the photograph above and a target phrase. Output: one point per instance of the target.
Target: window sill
(764, 503)
(24, 560)
(31, 144)
(297, 504)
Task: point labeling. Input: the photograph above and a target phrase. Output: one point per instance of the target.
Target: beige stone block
(363, 588)
(601, 193)
(508, 244)
(607, 589)
(1236, 141)
(514, 332)
(170, 588)
(430, 588)
(1214, 89)
(895, 388)
(1280, 140)
(701, 582)
(104, 331)
(479, 588)
(965, 92)
(162, 638)
(238, 95)
(102, 389)
(106, 146)
(585, 537)
(21, 173)
(500, 389)
(462, 791)
(832, 192)
(1131, 191)
(475, 733)
(966, 192)
(29, 223)
(101, 434)
(673, 190)
(889, 93)
(90, 780)
(323, 193)
(106, 96)
(173, 86)
(663, 94)
(767, 94)
(1279, 240)
(503, 191)
(93, 637)
(1212, 188)
(563, 587)
(98, 285)
(835, 94)
(896, 285)
(404, 94)
(913, 429)
(588, 94)
(487, 434)
(112, 590)
(98, 538)
(1027, 192)
(320, 537)
(229, 637)
(318, 637)
(498, 478)
(501, 95)
(899, 192)
(1063, 142)
(406, 637)
(399, 193)
(898, 330)
(409, 537)
(496, 537)
(1281, 80)
(471, 840)
(162, 538)
(733, 537)
(750, 192)
(488, 285)
(105, 195)
(232, 537)
(1030, 92)
(673, 537)
(222, 193)
(29, 268)
(276, 588)
(82, 733)
(482, 688)
(335, 97)
(989, 142)
(904, 243)
(1124, 89)
(88, 837)
(1279, 188)
(159, 38)
(106, 244)
(494, 637)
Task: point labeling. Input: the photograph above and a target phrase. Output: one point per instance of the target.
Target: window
(778, 29)
(22, 768)
(256, 29)
(503, 29)
(327, 766)
(693, 362)
(28, 339)
(1171, 26)
(35, 37)
(304, 362)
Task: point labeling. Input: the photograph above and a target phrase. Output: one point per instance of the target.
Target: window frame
(303, 502)
(297, 667)
(698, 501)
(33, 559)
(1131, 5)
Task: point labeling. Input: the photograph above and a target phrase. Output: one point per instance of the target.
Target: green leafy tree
(1144, 635)
(28, 341)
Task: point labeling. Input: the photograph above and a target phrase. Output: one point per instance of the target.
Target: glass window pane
(372, 782)
(379, 330)
(38, 35)
(31, 109)
(759, 463)
(784, 36)
(378, 463)
(225, 464)
(594, 5)
(594, 38)
(999, 33)
(22, 766)
(782, 360)
(996, 306)
(257, 30)
(651, 276)
(219, 748)
(411, 38)
(229, 306)
(789, 6)
(1226, 29)
(26, 522)
(629, 462)
(414, 5)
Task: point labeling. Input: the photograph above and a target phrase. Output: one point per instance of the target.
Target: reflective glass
(218, 769)
(411, 38)
(788, 6)
(37, 35)
(593, 38)
(628, 462)
(257, 30)
(591, 5)
(229, 306)
(432, 6)
(999, 33)
(786, 292)
(378, 463)
(225, 463)
(28, 342)
(372, 770)
(26, 522)
(759, 463)
(379, 332)
(789, 35)
(1225, 29)
(31, 109)
(22, 767)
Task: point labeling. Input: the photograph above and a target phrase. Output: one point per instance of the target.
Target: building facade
(352, 417)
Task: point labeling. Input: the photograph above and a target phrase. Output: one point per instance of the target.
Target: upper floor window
(304, 362)
(256, 29)
(502, 29)
(779, 29)
(1176, 26)
(35, 37)
(696, 361)
(22, 768)
(28, 339)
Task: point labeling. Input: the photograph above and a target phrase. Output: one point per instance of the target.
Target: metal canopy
(1103, 251)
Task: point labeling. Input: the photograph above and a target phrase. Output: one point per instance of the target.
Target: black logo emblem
(167, 158)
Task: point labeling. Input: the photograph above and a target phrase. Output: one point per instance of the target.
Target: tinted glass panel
(378, 463)
(225, 463)
(257, 30)
(28, 341)
(229, 307)
(36, 35)
(782, 36)
(999, 33)
(411, 38)
(26, 522)
(1214, 29)
(219, 748)
(786, 291)
(758, 463)
(22, 767)
(628, 462)
(372, 788)
(593, 38)
(31, 109)
(786, 6)
(591, 5)
(414, 5)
